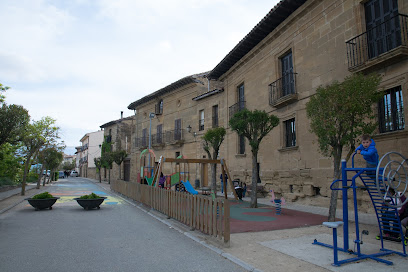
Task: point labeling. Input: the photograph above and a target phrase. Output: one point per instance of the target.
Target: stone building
(297, 47)
(178, 115)
(119, 134)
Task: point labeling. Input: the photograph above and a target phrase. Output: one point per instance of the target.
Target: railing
(172, 136)
(377, 40)
(236, 108)
(157, 138)
(168, 137)
(282, 87)
(200, 124)
(198, 212)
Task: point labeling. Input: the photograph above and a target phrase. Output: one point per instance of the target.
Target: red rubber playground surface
(264, 218)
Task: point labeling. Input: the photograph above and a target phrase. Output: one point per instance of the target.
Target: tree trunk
(254, 200)
(337, 153)
(100, 177)
(40, 176)
(109, 176)
(213, 178)
(26, 165)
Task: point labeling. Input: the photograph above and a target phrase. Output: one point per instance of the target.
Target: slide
(189, 188)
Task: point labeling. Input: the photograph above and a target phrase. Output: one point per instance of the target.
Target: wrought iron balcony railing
(236, 108)
(377, 41)
(283, 89)
(168, 137)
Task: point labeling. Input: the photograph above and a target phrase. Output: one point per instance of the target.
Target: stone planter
(88, 204)
(40, 204)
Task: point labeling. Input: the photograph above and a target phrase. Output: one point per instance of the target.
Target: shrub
(90, 196)
(32, 177)
(43, 196)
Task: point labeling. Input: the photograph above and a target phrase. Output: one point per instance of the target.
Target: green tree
(118, 156)
(339, 113)
(98, 165)
(67, 166)
(13, 121)
(38, 134)
(213, 139)
(254, 126)
(10, 164)
(3, 89)
(51, 159)
(106, 156)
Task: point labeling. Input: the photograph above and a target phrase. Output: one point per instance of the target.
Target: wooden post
(224, 165)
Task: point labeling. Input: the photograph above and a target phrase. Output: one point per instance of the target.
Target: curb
(16, 203)
(190, 235)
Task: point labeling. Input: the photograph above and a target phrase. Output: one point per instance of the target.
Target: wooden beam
(224, 165)
(192, 160)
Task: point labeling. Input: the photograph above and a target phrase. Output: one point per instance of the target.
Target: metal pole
(345, 206)
(151, 115)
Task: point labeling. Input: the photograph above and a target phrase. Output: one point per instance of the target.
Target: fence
(198, 212)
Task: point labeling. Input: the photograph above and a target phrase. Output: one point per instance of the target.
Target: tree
(3, 89)
(339, 113)
(98, 165)
(106, 156)
(10, 164)
(51, 159)
(118, 156)
(253, 125)
(213, 139)
(37, 134)
(13, 121)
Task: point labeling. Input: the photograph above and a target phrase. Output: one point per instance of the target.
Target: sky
(82, 62)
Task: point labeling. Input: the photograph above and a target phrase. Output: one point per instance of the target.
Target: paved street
(118, 237)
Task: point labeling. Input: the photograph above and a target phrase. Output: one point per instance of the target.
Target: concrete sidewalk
(286, 250)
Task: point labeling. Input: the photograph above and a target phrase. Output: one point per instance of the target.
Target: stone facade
(314, 39)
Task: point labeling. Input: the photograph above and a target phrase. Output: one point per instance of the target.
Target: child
(368, 150)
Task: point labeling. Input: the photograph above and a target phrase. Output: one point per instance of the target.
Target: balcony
(236, 108)
(283, 91)
(170, 137)
(382, 45)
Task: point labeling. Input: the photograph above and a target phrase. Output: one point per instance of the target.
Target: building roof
(207, 94)
(276, 16)
(116, 122)
(173, 86)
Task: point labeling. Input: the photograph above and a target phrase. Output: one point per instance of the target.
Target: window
(241, 147)
(215, 116)
(288, 82)
(177, 129)
(201, 120)
(383, 27)
(391, 111)
(290, 133)
(159, 107)
(144, 137)
(159, 134)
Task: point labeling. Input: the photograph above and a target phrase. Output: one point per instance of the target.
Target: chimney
(121, 115)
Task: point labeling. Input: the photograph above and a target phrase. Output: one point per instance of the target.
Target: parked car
(74, 173)
(61, 174)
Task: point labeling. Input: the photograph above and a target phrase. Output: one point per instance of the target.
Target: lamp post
(151, 116)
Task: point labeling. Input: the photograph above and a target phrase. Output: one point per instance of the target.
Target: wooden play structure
(182, 173)
(145, 172)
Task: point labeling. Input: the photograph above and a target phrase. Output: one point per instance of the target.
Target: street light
(151, 116)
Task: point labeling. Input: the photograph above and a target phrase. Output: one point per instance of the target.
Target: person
(222, 183)
(369, 152)
(162, 179)
(244, 189)
(238, 190)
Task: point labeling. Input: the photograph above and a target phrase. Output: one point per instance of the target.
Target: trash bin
(197, 183)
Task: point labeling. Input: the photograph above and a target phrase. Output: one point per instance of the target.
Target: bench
(260, 189)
